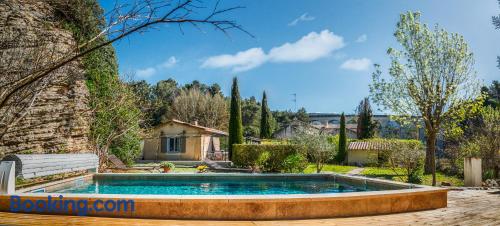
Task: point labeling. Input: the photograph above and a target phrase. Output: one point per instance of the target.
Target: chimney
(195, 122)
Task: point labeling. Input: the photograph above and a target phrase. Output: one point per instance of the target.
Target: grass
(388, 173)
(311, 168)
(185, 170)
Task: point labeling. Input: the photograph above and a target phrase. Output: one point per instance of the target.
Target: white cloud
(362, 64)
(150, 71)
(241, 61)
(303, 17)
(170, 62)
(311, 47)
(146, 73)
(362, 38)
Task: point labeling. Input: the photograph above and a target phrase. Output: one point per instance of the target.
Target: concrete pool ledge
(261, 207)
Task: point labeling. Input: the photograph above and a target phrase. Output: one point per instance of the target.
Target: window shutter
(164, 144)
(183, 144)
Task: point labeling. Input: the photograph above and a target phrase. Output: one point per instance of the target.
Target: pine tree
(265, 119)
(366, 127)
(235, 121)
(342, 153)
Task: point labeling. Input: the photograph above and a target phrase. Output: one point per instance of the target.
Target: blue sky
(321, 50)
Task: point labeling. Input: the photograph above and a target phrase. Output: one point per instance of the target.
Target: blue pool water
(229, 186)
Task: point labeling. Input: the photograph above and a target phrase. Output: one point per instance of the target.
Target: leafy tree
(492, 94)
(284, 118)
(430, 77)
(265, 119)
(366, 127)
(342, 151)
(192, 105)
(302, 115)
(250, 112)
(485, 141)
(142, 91)
(115, 125)
(163, 95)
(213, 89)
(496, 23)
(316, 146)
(235, 122)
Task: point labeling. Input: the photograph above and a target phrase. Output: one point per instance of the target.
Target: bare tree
(38, 66)
(193, 105)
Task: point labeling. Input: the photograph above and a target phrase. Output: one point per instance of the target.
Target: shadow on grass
(385, 176)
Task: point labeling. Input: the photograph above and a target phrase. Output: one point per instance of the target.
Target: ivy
(84, 18)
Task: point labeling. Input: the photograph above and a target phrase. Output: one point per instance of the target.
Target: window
(171, 144)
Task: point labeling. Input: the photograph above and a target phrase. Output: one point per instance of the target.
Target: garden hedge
(266, 157)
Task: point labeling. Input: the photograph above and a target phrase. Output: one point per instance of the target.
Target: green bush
(416, 175)
(267, 157)
(408, 155)
(295, 163)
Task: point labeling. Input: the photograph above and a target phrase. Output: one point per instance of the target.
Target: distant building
(386, 128)
(291, 129)
(364, 152)
(334, 129)
(252, 140)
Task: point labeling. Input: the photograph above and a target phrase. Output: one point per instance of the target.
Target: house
(252, 140)
(365, 152)
(291, 128)
(178, 140)
(334, 129)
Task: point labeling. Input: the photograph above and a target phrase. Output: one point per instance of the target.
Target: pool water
(226, 186)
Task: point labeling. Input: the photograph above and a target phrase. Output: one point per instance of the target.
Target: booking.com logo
(59, 205)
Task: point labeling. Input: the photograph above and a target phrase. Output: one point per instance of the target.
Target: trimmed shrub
(408, 155)
(267, 157)
(295, 163)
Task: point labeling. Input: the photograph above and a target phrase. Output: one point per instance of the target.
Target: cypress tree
(265, 119)
(365, 128)
(342, 153)
(235, 121)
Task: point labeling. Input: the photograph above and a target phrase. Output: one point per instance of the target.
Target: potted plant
(167, 166)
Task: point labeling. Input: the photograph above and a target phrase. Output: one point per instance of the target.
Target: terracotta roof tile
(367, 145)
(206, 129)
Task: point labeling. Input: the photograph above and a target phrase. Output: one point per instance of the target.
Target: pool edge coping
(416, 188)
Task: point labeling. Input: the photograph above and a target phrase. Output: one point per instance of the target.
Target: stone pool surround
(257, 207)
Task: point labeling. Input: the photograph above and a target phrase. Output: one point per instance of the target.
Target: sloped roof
(205, 129)
(367, 145)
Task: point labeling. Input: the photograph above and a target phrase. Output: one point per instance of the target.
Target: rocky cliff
(59, 119)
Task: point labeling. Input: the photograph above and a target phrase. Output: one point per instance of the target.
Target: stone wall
(59, 119)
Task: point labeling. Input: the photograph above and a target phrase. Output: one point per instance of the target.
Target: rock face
(59, 119)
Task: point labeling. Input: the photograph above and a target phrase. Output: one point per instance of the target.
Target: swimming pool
(210, 185)
(226, 196)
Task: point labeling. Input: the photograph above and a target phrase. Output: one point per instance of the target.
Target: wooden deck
(469, 207)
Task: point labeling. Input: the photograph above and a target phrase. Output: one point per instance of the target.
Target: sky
(321, 50)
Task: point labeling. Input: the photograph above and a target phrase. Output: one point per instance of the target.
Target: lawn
(185, 170)
(311, 168)
(387, 173)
